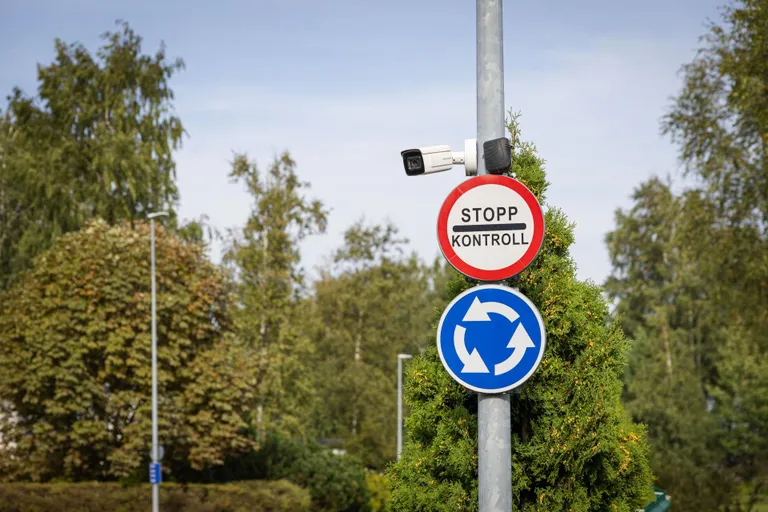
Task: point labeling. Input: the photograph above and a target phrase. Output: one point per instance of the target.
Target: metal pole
(400, 358)
(155, 455)
(155, 487)
(494, 447)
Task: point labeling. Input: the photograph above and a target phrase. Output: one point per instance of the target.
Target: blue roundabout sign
(491, 339)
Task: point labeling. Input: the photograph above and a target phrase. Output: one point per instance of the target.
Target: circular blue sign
(491, 338)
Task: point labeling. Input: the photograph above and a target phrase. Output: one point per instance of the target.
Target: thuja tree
(573, 446)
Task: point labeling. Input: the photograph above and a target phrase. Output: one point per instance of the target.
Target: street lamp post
(400, 358)
(155, 450)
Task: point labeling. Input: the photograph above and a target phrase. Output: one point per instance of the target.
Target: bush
(336, 483)
(377, 485)
(277, 496)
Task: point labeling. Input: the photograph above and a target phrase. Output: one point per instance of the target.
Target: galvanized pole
(493, 415)
(155, 450)
(400, 358)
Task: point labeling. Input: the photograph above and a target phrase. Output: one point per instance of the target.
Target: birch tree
(265, 259)
(96, 141)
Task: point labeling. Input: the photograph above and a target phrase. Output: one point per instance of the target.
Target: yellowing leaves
(94, 365)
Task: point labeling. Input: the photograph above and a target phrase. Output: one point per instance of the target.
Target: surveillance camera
(432, 159)
(427, 160)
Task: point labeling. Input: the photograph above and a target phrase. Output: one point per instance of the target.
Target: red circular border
(474, 272)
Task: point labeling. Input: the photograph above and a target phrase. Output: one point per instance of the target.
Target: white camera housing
(432, 159)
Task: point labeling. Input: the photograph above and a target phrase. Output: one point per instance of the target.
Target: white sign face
(490, 227)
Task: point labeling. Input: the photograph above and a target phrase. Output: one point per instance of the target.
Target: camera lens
(414, 163)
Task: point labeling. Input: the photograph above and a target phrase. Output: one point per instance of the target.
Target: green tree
(663, 305)
(270, 319)
(573, 446)
(703, 312)
(372, 304)
(697, 370)
(337, 483)
(96, 141)
(720, 118)
(75, 359)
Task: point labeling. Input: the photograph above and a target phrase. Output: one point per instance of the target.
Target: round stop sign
(490, 227)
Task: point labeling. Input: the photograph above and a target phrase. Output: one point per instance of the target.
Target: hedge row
(252, 496)
(336, 483)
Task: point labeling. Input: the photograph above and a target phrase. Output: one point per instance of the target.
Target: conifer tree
(573, 446)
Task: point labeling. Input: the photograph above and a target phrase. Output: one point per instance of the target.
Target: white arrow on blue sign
(491, 339)
(155, 473)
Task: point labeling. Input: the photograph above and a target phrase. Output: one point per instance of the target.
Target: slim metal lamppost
(155, 449)
(400, 358)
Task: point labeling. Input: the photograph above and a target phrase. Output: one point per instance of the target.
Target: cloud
(593, 113)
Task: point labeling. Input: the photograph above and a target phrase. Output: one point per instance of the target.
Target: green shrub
(336, 483)
(377, 485)
(279, 496)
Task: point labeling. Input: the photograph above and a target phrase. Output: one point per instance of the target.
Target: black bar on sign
(490, 227)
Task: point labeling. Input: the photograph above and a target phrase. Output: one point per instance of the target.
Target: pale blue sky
(346, 85)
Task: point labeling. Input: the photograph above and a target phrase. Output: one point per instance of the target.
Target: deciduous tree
(75, 381)
(270, 318)
(691, 277)
(96, 141)
(374, 302)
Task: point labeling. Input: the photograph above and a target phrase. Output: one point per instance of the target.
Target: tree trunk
(665, 339)
(358, 360)
(264, 345)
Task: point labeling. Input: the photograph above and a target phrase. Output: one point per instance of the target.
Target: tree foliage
(697, 373)
(265, 259)
(336, 483)
(262, 496)
(720, 118)
(664, 307)
(691, 278)
(75, 359)
(96, 141)
(372, 304)
(573, 446)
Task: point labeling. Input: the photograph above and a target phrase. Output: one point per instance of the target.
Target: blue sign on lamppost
(155, 473)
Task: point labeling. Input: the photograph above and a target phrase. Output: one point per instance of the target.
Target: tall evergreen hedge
(573, 446)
